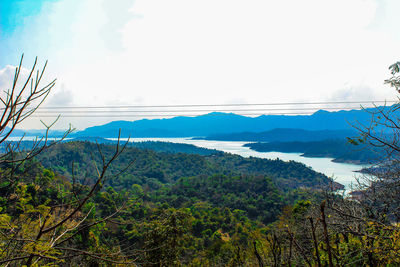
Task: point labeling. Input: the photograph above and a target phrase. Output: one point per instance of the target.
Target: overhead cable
(223, 105)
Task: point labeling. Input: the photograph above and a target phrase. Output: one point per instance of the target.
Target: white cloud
(6, 77)
(355, 93)
(219, 51)
(117, 16)
(60, 98)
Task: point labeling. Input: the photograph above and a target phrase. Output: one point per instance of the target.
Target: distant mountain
(284, 135)
(35, 133)
(224, 123)
(217, 123)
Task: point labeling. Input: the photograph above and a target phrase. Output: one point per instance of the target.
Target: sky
(183, 52)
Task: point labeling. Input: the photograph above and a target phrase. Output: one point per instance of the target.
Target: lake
(343, 173)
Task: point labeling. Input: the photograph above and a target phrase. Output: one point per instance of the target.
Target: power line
(196, 110)
(225, 105)
(121, 112)
(166, 115)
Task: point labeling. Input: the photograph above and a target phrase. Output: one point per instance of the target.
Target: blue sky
(17, 17)
(171, 52)
(12, 13)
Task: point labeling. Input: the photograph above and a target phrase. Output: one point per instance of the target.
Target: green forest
(212, 204)
(178, 209)
(85, 203)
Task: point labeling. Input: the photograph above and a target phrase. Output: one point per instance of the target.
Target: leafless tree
(43, 234)
(381, 183)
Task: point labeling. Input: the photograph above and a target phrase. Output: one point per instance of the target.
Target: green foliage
(151, 169)
(394, 81)
(184, 210)
(256, 195)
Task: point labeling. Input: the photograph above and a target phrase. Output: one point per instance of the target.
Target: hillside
(157, 146)
(338, 149)
(283, 135)
(180, 206)
(154, 168)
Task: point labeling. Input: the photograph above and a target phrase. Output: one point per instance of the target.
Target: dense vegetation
(201, 209)
(158, 146)
(153, 169)
(85, 204)
(341, 150)
(170, 147)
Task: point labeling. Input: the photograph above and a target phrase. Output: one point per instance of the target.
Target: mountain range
(216, 123)
(226, 123)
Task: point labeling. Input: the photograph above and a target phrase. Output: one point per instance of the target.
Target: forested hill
(167, 147)
(173, 206)
(158, 146)
(338, 149)
(156, 168)
(223, 123)
(284, 135)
